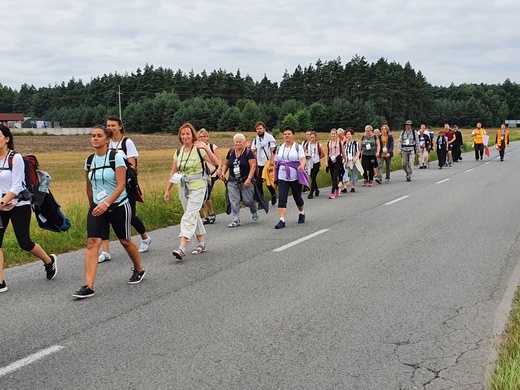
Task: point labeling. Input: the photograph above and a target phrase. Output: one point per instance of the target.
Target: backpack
(132, 186)
(414, 141)
(31, 181)
(46, 209)
(123, 148)
(297, 147)
(206, 170)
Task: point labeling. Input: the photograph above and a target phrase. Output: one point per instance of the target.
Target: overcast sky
(45, 42)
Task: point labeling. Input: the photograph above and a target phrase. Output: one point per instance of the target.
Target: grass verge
(506, 373)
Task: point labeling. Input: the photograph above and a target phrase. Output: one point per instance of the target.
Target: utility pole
(119, 96)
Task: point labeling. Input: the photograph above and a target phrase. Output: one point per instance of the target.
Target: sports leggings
(20, 216)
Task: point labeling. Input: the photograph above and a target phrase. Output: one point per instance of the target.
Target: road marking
(282, 248)
(442, 181)
(469, 170)
(29, 359)
(396, 200)
(486, 163)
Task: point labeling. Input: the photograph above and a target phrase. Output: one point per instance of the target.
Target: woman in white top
(335, 158)
(15, 207)
(126, 147)
(290, 165)
(351, 171)
(313, 154)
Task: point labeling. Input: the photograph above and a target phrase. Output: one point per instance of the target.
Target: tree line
(320, 96)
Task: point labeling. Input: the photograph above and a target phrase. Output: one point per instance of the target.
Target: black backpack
(132, 186)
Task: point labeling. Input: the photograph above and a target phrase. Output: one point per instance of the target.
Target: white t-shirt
(289, 154)
(262, 147)
(13, 180)
(131, 150)
(313, 151)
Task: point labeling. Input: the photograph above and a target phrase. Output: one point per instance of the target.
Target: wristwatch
(107, 204)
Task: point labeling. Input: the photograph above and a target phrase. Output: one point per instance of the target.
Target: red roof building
(11, 120)
(10, 117)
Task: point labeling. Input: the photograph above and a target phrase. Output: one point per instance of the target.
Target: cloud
(448, 41)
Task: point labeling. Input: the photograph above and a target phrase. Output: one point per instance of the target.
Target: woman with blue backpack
(16, 208)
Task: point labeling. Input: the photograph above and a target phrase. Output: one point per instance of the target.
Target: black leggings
(21, 218)
(135, 222)
(368, 163)
(283, 192)
(314, 174)
(334, 170)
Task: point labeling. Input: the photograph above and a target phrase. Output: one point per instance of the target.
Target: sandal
(212, 218)
(205, 221)
(198, 250)
(179, 254)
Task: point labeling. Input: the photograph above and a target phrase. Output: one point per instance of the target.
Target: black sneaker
(344, 190)
(280, 225)
(3, 287)
(273, 199)
(301, 218)
(310, 196)
(352, 190)
(317, 193)
(136, 277)
(83, 292)
(52, 269)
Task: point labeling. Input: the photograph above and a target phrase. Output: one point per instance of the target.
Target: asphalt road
(399, 286)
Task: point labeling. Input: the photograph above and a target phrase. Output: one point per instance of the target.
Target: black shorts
(120, 218)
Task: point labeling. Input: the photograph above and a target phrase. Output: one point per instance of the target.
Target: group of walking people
(249, 166)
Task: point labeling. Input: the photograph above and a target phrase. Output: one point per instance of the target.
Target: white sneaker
(145, 244)
(104, 256)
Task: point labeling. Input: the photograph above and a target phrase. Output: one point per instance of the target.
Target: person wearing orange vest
(478, 141)
(502, 141)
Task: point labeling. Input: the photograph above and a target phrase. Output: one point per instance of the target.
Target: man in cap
(407, 147)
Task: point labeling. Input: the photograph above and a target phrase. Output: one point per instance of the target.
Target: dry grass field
(146, 142)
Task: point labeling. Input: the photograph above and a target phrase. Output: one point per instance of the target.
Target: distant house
(512, 122)
(11, 120)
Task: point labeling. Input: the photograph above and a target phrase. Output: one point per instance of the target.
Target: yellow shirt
(189, 164)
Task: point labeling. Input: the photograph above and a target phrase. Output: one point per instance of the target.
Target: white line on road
(282, 248)
(396, 200)
(442, 181)
(487, 162)
(469, 170)
(29, 359)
